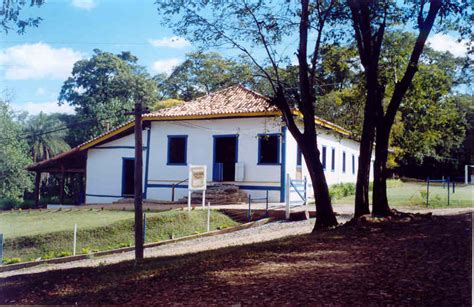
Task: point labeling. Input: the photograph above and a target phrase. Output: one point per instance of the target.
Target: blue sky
(33, 66)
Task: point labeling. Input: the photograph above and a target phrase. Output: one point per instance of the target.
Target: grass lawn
(413, 194)
(47, 234)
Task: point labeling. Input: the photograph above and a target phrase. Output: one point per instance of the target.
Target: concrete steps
(219, 194)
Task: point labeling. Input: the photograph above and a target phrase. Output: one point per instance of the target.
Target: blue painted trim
(102, 195)
(118, 147)
(283, 165)
(259, 188)
(185, 137)
(123, 174)
(333, 159)
(242, 187)
(260, 135)
(147, 162)
(344, 162)
(222, 136)
(164, 185)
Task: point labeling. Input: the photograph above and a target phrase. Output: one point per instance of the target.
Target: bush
(341, 190)
(9, 203)
(11, 260)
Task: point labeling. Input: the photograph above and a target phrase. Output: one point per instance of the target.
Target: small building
(235, 132)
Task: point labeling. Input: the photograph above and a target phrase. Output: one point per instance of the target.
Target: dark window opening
(323, 159)
(299, 155)
(353, 164)
(343, 161)
(269, 149)
(333, 159)
(128, 175)
(177, 149)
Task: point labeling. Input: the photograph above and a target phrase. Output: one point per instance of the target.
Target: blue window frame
(177, 149)
(343, 161)
(333, 159)
(323, 158)
(299, 155)
(353, 164)
(269, 149)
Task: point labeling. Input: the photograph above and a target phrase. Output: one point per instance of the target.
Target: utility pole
(138, 199)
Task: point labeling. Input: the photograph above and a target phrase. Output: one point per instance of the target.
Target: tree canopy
(103, 87)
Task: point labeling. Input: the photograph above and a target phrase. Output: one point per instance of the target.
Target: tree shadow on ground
(424, 261)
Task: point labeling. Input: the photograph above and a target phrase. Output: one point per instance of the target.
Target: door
(225, 157)
(128, 175)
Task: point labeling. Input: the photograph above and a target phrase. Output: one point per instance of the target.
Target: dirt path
(426, 261)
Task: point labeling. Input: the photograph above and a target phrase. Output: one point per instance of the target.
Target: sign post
(197, 182)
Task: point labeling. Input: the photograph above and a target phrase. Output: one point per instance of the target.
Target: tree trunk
(380, 205)
(37, 188)
(325, 216)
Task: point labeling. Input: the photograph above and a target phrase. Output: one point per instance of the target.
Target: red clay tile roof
(233, 100)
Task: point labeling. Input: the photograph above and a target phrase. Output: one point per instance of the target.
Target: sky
(33, 66)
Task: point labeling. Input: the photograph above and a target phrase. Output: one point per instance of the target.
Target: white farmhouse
(235, 132)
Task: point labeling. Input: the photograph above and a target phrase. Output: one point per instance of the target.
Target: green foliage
(340, 190)
(11, 260)
(14, 179)
(44, 137)
(203, 73)
(167, 103)
(9, 203)
(103, 87)
(12, 18)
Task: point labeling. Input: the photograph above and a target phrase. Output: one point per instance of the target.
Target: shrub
(9, 203)
(341, 190)
(11, 260)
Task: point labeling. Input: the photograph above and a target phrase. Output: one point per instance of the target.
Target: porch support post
(81, 188)
(61, 189)
(37, 188)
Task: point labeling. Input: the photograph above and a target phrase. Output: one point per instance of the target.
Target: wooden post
(138, 183)
(37, 188)
(81, 189)
(61, 189)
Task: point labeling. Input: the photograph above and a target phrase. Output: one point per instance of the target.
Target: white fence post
(208, 216)
(466, 174)
(203, 199)
(287, 197)
(189, 200)
(75, 237)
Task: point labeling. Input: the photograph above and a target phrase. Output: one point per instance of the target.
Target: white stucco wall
(104, 162)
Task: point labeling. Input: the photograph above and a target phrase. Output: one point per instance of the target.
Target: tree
(370, 20)
(103, 87)
(244, 25)
(14, 179)
(203, 73)
(10, 15)
(46, 137)
(167, 103)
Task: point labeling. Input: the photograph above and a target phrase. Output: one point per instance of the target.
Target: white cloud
(84, 4)
(166, 66)
(34, 108)
(170, 42)
(36, 61)
(444, 42)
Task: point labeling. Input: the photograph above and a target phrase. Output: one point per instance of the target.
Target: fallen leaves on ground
(418, 260)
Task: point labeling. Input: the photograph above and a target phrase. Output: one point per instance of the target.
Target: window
(343, 161)
(177, 149)
(298, 155)
(269, 149)
(353, 164)
(333, 159)
(323, 158)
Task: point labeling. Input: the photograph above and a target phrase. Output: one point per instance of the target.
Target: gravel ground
(267, 232)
